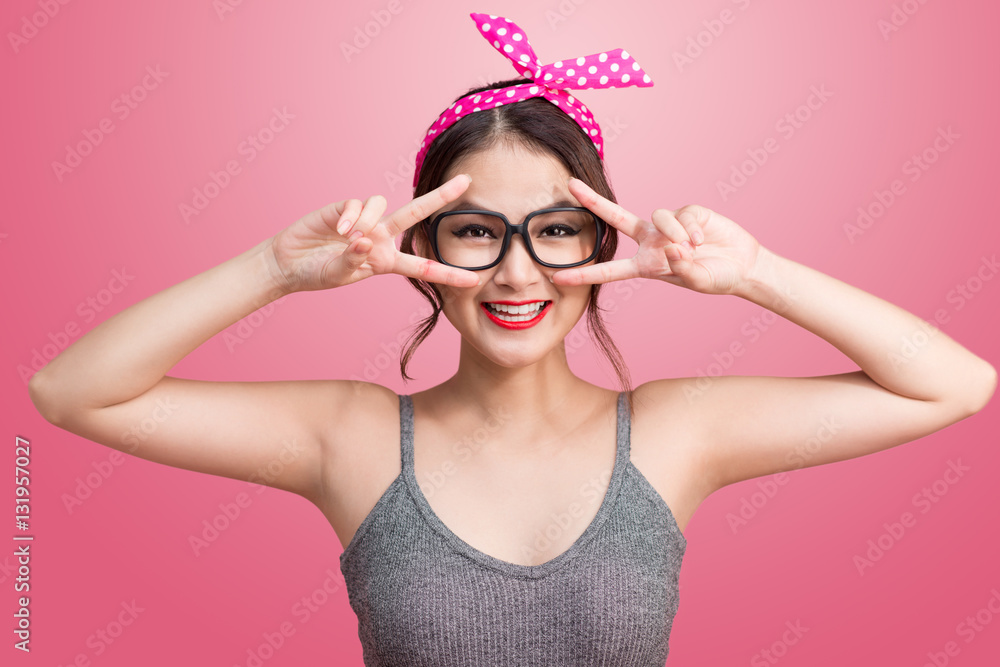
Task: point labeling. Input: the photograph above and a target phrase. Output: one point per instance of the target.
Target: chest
(521, 509)
(525, 509)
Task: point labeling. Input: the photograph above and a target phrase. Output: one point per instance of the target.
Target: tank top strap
(406, 432)
(624, 437)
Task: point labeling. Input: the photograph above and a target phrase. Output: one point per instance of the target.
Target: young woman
(515, 513)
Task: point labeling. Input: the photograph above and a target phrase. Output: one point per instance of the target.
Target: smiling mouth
(509, 313)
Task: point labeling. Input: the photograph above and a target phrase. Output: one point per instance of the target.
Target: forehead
(512, 179)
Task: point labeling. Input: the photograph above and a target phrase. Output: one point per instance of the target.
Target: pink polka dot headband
(608, 69)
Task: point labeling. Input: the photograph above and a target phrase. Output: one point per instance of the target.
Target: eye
(560, 225)
(472, 231)
(560, 230)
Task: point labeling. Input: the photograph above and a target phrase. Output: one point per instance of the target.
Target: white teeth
(518, 310)
(521, 313)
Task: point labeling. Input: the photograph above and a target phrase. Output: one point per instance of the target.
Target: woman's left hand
(693, 247)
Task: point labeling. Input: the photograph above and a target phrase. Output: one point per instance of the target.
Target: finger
(417, 209)
(606, 210)
(361, 246)
(421, 268)
(328, 216)
(664, 220)
(348, 214)
(370, 215)
(356, 253)
(604, 272)
(679, 258)
(694, 218)
(683, 270)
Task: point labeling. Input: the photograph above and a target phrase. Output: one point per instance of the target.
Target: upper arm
(277, 434)
(750, 426)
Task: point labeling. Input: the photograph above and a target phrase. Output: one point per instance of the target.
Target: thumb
(678, 258)
(356, 253)
(358, 250)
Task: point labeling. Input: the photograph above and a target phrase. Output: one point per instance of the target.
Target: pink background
(356, 124)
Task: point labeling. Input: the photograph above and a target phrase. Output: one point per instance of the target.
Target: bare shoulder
(664, 417)
(361, 452)
(666, 445)
(362, 428)
(354, 408)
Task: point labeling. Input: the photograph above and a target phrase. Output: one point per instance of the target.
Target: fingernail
(356, 234)
(343, 225)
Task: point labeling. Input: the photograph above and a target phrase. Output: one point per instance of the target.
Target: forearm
(129, 353)
(895, 348)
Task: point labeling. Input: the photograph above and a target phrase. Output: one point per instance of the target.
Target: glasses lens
(472, 240)
(563, 237)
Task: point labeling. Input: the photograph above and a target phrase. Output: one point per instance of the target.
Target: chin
(510, 353)
(514, 360)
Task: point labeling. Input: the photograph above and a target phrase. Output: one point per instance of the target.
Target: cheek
(456, 301)
(583, 299)
(448, 296)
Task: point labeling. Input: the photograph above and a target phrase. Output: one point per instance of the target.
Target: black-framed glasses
(475, 239)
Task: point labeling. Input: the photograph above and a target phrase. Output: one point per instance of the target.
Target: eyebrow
(468, 203)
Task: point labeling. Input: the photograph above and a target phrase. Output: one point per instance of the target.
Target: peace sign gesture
(693, 247)
(348, 241)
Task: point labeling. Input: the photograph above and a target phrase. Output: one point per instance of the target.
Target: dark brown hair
(540, 126)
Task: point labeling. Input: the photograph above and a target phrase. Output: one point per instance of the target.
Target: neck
(533, 401)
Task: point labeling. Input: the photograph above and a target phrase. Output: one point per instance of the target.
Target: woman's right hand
(348, 241)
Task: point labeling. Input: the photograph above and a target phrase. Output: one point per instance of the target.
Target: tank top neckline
(408, 474)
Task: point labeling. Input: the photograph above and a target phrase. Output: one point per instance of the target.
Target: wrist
(269, 276)
(765, 285)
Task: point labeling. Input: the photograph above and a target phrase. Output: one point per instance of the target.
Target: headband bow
(608, 69)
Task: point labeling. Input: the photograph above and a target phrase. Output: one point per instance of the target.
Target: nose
(517, 268)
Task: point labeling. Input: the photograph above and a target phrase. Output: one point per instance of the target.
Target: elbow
(981, 389)
(41, 396)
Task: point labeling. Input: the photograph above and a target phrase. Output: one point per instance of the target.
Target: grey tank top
(423, 596)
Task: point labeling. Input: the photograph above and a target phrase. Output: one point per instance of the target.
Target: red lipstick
(516, 325)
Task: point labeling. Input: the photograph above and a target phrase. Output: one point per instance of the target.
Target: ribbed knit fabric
(424, 597)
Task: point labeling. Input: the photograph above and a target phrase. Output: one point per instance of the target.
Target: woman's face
(514, 181)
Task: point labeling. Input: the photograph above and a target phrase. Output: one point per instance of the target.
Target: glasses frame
(431, 227)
